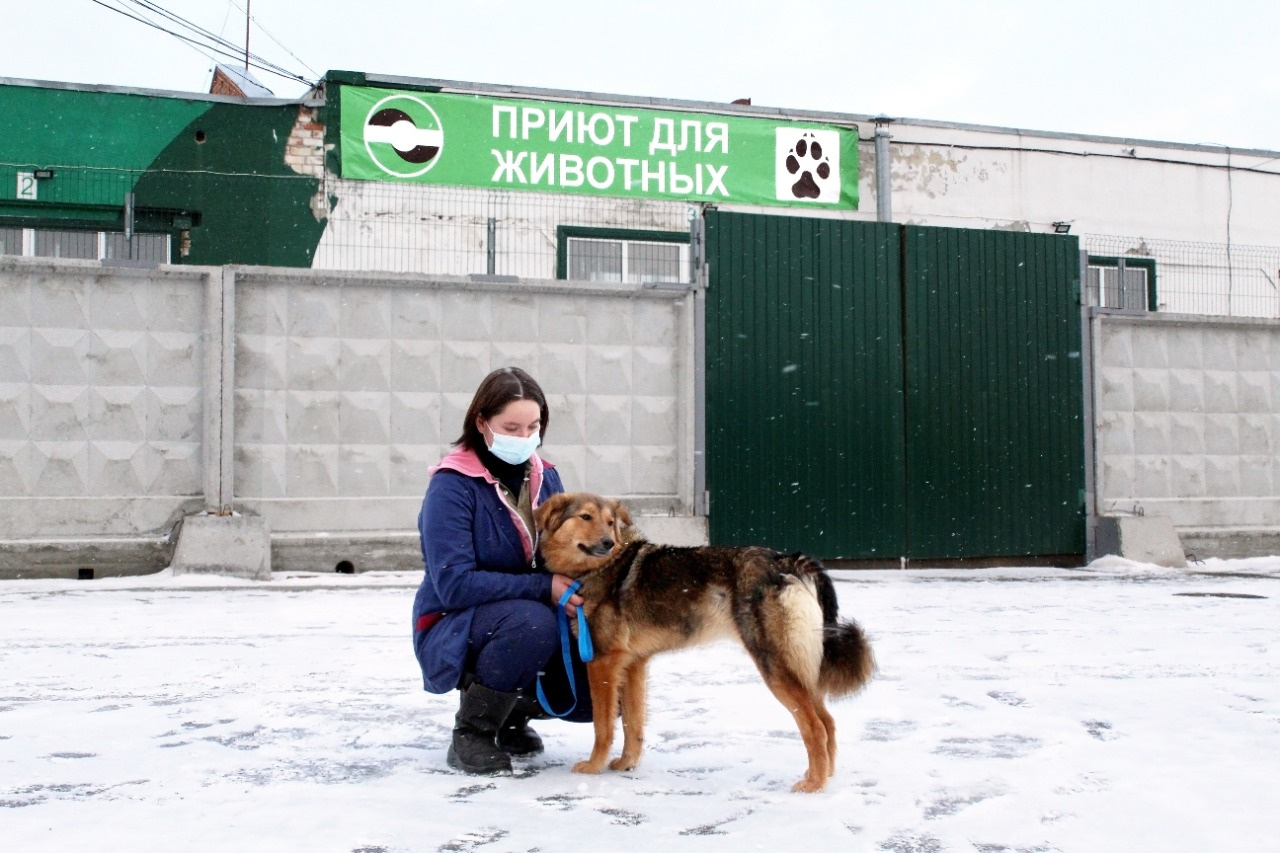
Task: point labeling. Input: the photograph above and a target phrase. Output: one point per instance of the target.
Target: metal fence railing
(461, 231)
(1197, 278)
(368, 225)
(433, 230)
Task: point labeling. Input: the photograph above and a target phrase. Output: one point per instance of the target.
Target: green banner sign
(548, 146)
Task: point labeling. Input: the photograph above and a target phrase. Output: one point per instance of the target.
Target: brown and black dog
(642, 599)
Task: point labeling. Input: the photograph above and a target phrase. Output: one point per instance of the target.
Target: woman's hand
(560, 583)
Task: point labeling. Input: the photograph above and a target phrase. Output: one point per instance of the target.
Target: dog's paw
(624, 763)
(809, 786)
(589, 767)
(809, 166)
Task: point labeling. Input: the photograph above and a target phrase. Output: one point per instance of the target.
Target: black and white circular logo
(403, 135)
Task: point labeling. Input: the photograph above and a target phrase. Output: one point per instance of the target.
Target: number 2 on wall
(27, 185)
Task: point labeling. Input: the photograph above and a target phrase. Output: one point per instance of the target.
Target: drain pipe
(884, 200)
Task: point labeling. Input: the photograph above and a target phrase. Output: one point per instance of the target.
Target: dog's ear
(620, 513)
(551, 513)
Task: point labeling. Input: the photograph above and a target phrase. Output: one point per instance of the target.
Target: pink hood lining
(466, 461)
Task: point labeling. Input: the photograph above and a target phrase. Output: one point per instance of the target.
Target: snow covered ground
(1119, 707)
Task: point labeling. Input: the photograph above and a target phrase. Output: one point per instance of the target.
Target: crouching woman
(484, 617)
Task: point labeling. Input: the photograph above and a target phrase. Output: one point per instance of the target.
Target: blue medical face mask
(513, 449)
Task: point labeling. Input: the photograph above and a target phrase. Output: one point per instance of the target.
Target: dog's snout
(606, 543)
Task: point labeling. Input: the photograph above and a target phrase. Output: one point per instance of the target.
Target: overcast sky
(1192, 71)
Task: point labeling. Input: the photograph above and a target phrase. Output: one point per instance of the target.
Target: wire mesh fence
(82, 212)
(1185, 277)
(460, 231)
(85, 193)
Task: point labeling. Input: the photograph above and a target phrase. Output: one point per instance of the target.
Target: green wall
(210, 165)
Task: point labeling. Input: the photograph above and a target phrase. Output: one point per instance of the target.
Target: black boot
(515, 737)
(474, 749)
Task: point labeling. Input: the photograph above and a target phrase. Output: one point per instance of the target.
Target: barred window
(146, 247)
(84, 245)
(634, 257)
(1124, 283)
(10, 241)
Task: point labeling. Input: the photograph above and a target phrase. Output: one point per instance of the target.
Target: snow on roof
(228, 80)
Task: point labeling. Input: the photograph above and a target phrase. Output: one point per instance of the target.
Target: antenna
(248, 4)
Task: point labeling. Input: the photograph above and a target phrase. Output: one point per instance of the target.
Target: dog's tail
(847, 660)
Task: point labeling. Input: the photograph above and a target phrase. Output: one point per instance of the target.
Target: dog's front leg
(635, 685)
(604, 675)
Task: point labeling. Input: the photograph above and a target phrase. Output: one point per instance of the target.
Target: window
(66, 244)
(10, 241)
(1125, 283)
(635, 257)
(146, 247)
(85, 245)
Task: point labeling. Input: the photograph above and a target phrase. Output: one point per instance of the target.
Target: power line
(278, 43)
(225, 46)
(203, 40)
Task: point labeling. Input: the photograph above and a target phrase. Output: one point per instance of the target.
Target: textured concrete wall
(130, 398)
(101, 402)
(1186, 420)
(348, 388)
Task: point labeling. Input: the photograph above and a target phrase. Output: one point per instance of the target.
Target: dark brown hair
(497, 390)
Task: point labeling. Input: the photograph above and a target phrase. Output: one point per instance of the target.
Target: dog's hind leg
(828, 723)
(604, 674)
(813, 731)
(635, 685)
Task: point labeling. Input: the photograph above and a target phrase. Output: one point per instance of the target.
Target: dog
(641, 599)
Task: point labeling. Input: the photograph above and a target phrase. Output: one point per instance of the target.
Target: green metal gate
(803, 376)
(875, 391)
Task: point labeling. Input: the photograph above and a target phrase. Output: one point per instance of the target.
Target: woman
(484, 617)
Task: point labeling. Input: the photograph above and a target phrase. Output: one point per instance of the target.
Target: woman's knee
(511, 641)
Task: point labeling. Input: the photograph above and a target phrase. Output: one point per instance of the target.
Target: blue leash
(585, 650)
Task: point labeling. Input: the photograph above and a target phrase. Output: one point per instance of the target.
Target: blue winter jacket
(475, 549)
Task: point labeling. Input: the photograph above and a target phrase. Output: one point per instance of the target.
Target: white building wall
(1120, 196)
(985, 178)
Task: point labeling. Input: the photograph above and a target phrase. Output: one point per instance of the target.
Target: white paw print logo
(808, 165)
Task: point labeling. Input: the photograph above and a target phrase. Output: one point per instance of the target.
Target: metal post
(128, 224)
(248, 4)
(884, 200)
(492, 262)
(1089, 334)
(701, 279)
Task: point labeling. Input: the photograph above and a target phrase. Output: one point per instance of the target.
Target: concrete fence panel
(1187, 425)
(348, 387)
(102, 411)
(131, 398)
(313, 404)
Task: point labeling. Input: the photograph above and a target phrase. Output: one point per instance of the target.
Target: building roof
(228, 80)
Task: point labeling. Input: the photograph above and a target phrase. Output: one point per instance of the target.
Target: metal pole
(701, 278)
(247, 6)
(492, 260)
(128, 224)
(1089, 334)
(884, 200)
